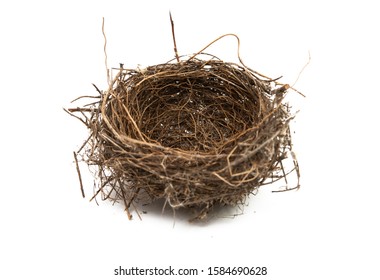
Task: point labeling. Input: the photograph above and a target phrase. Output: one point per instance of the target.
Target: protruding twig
(105, 53)
(175, 44)
(70, 112)
(299, 74)
(79, 175)
(238, 53)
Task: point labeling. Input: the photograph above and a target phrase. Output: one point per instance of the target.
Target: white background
(51, 52)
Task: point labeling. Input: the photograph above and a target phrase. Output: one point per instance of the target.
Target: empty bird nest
(196, 132)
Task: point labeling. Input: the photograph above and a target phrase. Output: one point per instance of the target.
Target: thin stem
(105, 52)
(173, 33)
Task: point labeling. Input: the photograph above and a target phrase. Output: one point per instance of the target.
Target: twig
(238, 53)
(79, 175)
(175, 44)
(84, 96)
(72, 110)
(105, 53)
(69, 111)
(299, 75)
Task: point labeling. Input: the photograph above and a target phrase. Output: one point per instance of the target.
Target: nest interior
(197, 133)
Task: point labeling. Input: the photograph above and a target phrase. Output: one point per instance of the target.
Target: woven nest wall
(195, 132)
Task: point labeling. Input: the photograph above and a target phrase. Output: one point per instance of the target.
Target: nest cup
(196, 133)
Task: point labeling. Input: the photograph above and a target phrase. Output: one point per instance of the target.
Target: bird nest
(194, 132)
